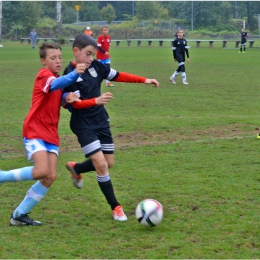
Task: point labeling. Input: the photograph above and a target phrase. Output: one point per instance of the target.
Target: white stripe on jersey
(174, 48)
(48, 82)
(181, 63)
(112, 74)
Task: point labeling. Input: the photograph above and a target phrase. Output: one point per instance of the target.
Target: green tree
(146, 10)
(25, 14)
(108, 13)
(90, 11)
(1, 5)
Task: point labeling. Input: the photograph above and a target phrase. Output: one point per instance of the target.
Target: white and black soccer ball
(149, 212)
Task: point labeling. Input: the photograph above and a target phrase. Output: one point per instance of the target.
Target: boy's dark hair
(48, 45)
(83, 40)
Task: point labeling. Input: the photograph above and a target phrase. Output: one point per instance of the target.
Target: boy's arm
(174, 46)
(102, 50)
(131, 78)
(68, 79)
(101, 100)
(187, 52)
(64, 81)
(84, 103)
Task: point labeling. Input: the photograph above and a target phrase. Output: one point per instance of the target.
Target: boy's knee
(52, 176)
(40, 172)
(44, 173)
(101, 165)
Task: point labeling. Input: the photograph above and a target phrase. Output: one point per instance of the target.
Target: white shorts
(35, 145)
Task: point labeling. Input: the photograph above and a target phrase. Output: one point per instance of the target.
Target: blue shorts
(106, 61)
(35, 145)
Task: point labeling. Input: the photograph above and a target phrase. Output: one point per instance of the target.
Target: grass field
(191, 147)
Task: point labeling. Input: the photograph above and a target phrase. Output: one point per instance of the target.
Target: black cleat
(24, 220)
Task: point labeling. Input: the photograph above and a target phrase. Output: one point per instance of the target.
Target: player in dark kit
(91, 126)
(244, 35)
(179, 49)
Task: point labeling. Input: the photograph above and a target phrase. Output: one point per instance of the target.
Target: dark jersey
(179, 49)
(244, 35)
(88, 86)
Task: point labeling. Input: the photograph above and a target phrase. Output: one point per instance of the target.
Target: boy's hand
(152, 81)
(72, 97)
(188, 60)
(80, 68)
(104, 98)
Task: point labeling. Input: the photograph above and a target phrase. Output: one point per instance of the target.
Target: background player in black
(244, 35)
(91, 125)
(179, 49)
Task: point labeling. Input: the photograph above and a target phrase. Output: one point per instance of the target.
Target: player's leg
(90, 144)
(241, 44)
(174, 75)
(102, 162)
(46, 161)
(99, 147)
(183, 74)
(244, 48)
(177, 71)
(32, 146)
(106, 185)
(87, 165)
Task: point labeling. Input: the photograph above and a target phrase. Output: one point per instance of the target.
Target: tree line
(22, 16)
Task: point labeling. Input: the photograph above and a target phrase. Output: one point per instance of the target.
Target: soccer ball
(149, 212)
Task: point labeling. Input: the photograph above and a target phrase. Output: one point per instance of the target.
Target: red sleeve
(131, 78)
(84, 103)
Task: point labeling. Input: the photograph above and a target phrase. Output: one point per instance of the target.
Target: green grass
(191, 147)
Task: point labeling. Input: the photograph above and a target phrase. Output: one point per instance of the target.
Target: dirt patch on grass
(69, 143)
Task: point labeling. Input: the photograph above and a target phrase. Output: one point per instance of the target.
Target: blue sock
(22, 174)
(33, 196)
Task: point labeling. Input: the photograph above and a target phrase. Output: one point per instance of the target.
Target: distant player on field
(179, 49)
(104, 42)
(244, 36)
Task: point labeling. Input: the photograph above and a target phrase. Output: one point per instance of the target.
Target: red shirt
(104, 42)
(43, 117)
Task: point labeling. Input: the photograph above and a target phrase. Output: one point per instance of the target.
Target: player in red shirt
(40, 131)
(104, 42)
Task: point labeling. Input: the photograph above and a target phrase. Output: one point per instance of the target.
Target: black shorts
(93, 141)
